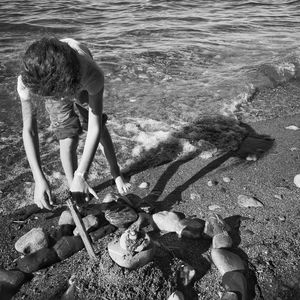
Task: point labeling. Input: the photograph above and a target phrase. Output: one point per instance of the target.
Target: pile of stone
(133, 249)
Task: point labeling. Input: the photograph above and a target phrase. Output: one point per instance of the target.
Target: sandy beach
(267, 237)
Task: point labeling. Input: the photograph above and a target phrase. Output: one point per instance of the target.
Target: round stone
(32, 241)
(127, 259)
(120, 215)
(297, 180)
(66, 218)
(226, 261)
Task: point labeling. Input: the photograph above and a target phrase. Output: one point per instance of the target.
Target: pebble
(216, 225)
(119, 214)
(251, 157)
(110, 197)
(144, 185)
(211, 183)
(221, 240)
(297, 180)
(132, 240)
(206, 154)
(66, 218)
(38, 260)
(226, 179)
(192, 228)
(67, 246)
(177, 295)
(14, 278)
(282, 218)
(229, 296)
(90, 222)
(292, 127)
(279, 197)
(32, 241)
(226, 261)
(167, 221)
(247, 201)
(128, 260)
(195, 196)
(214, 207)
(235, 281)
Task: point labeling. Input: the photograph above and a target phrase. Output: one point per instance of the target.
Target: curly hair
(50, 68)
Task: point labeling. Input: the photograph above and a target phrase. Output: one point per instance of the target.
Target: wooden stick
(81, 229)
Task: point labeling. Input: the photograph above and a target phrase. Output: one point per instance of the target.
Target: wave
(267, 75)
(26, 27)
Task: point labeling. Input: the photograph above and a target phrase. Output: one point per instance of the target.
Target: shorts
(65, 122)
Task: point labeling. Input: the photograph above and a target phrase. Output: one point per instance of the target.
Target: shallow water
(167, 63)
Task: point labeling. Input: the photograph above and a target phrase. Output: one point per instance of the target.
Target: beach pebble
(120, 214)
(226, 179)
(127, 259)
(292, 127)
(247, 201)
(90, 222)
(236, 282)
(167, 221)
(67, 246)
(214, 207)
(229, 296)
(279, 197)
(282, 218)
(38, 260)
(32, 241)
(294, 149)
(251, 157)
(132, 240)
(192, 228)
(207, 154)
(221, 240)
(297, 180)
(211, 183)
(109, 197)
(195, 196)
(66, 218)
(226, 261)
(177, 295)
(215, 225)
(14, 278)
(144, 185)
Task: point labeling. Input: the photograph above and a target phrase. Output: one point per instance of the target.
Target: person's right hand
(42, 194)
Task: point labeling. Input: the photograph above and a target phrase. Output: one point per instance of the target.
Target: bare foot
(122, 186)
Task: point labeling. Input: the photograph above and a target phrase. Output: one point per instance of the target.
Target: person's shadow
(230, 137)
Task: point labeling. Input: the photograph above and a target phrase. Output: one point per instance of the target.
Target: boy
(64, 73)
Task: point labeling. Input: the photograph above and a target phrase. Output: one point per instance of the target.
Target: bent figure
(64, 74)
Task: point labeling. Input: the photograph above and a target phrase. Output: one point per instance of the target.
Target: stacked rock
(133, 250)
(229, 264)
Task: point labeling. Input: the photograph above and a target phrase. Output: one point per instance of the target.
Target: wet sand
(267, 237)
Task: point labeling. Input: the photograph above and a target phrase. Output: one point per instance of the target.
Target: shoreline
(268, 236)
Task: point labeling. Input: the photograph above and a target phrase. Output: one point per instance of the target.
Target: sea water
(167, 64)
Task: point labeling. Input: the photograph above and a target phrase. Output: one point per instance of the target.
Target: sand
(267, 237)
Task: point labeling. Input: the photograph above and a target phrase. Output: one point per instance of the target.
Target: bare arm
(94, 131)
(31, 143)
(92, 140)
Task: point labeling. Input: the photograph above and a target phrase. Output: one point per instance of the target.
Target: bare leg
(68, 156)
(110, 155)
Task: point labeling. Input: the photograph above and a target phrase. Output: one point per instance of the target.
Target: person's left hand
(79, 185)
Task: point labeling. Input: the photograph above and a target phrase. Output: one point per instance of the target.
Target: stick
(83, 234)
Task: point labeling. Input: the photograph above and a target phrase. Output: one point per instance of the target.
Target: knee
(69, 144)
